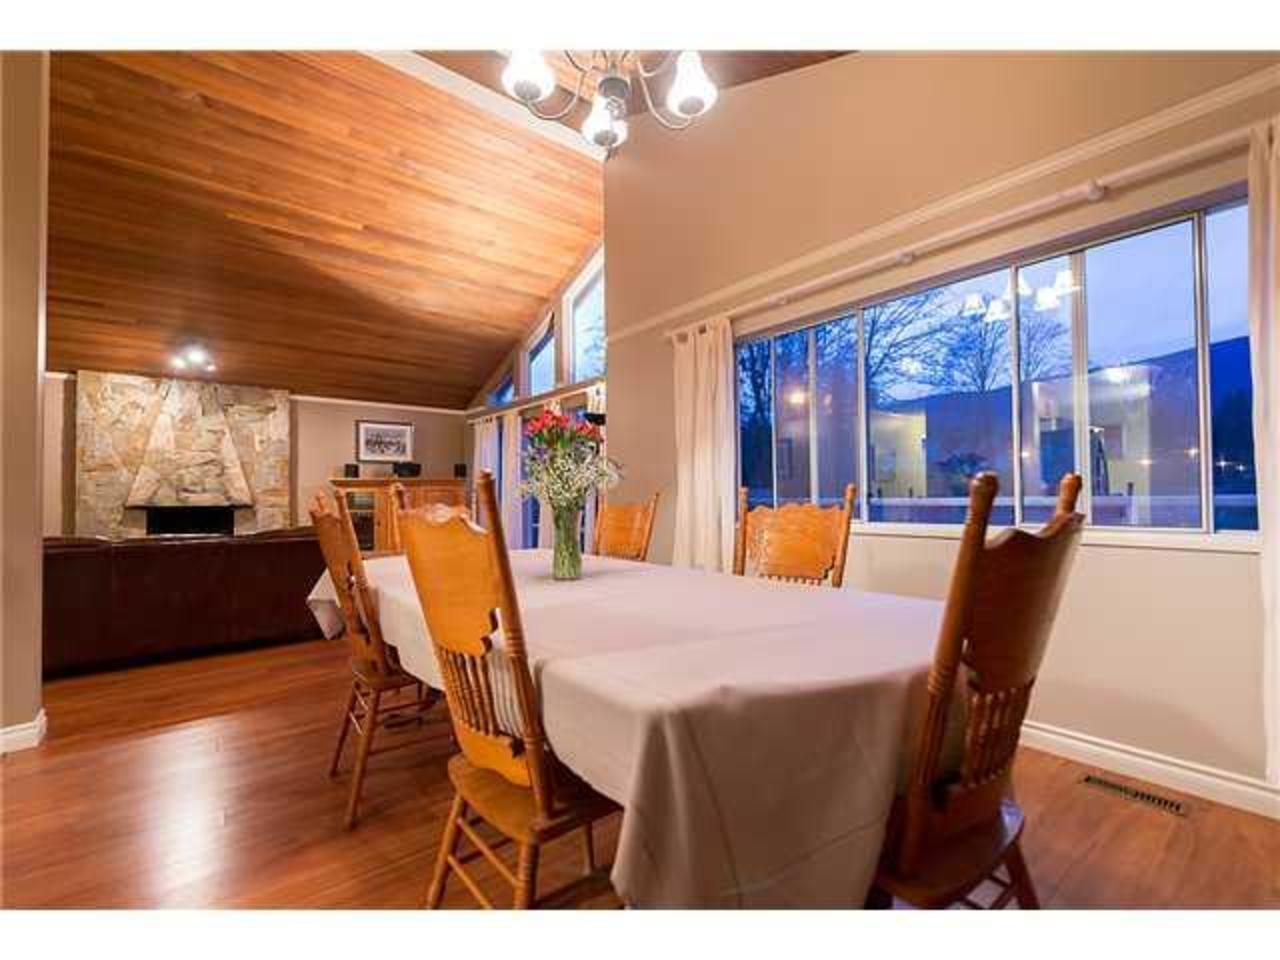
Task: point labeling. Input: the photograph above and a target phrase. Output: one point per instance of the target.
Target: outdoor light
(974, 306)
(998, 311)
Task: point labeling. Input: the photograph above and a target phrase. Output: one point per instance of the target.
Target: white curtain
(705, 469)
(1264, 314)
(484, 455)
(595, 404)
(512, 505)
(546, 521)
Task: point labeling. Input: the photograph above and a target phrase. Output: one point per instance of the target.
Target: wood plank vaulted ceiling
(321, 222)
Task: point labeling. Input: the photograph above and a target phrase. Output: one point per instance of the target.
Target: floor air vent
(1167, 804)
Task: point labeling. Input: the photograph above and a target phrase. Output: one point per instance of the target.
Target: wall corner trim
(23, 736)
(1168, 118)
(1211, 783)
(499, 105)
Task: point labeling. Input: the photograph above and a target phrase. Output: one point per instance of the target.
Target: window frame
(544, 337)
(591, 276)
(1073, 247)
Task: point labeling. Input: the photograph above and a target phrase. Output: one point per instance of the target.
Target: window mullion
(1203, 375)
(1080, 379)
(811, 341)
(773, 416)
(1015, 391)
(863, 454)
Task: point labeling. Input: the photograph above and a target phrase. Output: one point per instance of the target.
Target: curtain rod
(1091, 191)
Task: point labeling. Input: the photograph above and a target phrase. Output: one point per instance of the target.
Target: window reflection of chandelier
(605, 79)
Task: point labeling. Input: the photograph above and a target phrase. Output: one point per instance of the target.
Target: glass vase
(566, 560)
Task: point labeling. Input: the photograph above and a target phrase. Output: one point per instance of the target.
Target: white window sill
(1234, 542)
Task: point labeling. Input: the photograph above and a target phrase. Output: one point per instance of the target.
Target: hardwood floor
(203, 784)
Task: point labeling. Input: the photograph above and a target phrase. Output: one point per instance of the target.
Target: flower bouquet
(563, 463)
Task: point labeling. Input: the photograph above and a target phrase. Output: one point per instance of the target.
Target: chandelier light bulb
(602, 128)
(196, 356)
(527, 76)
(692, 93)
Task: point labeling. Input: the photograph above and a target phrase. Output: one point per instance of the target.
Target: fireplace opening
(170, 520)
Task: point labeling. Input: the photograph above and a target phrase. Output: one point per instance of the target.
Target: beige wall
(23, 136)
(768, 190)
(324, 438)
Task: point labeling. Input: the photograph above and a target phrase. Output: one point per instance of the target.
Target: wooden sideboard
(369, 500)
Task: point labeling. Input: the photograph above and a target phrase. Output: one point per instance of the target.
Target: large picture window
(1126, 360)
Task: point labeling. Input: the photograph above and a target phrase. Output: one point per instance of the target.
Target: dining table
(753, 731)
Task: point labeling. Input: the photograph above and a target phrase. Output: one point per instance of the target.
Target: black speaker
(351, 471)
(460, 471)
(407, 469)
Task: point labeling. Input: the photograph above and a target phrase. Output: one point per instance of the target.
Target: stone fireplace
(173, 456)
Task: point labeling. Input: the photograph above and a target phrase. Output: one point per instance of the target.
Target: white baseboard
(1222, 786)
(23, 735)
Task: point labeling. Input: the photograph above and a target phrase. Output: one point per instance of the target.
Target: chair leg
(1024, 889)
(362, 756)
(588, 850)
(448, 848)
(878, 899)
(342, 734)
(526, 876)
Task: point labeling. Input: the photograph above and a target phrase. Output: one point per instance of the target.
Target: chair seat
(956, 865)
(383, 682)
(512, 810)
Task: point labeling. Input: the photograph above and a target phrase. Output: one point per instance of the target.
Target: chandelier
(605, 80)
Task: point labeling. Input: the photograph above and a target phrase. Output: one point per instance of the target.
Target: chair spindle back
(1000, 609)
(463, 577)
(342, 558)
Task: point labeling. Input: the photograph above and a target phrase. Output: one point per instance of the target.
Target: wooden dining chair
(957, 823)
(404, 499)
(798, 542)
(506, 778)
(375, 672)
(623, 530)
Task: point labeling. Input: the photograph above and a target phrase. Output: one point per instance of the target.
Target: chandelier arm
(568, 55)
(653, 109)
(642, 72)
(573, 102)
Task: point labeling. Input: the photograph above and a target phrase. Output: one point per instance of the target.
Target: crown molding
(343, 402)
(431, 73)
(1168, 118)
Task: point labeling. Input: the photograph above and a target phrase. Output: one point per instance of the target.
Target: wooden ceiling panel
(321, 222)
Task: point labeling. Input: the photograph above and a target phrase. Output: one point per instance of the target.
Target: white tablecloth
(751, 730)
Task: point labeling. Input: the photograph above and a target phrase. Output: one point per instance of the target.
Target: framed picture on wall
(381, 442)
